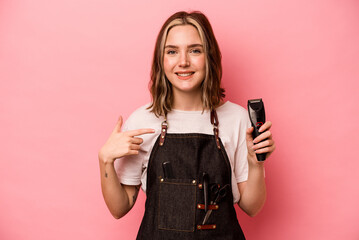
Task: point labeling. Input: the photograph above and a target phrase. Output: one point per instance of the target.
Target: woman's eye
(171, 52)
(196, 51)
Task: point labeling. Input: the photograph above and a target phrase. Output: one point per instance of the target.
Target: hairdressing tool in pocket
(257, 116)
(220, 193)
(167, 170)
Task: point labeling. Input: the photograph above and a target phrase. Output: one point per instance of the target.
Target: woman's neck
(187, 102)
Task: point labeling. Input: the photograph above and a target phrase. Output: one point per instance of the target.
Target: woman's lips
(185, 75)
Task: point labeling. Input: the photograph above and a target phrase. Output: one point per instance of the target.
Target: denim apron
(175, 205)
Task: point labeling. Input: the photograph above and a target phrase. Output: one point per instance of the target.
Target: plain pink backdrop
(69, 68)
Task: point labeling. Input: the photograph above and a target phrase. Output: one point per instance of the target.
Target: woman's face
(184, 59)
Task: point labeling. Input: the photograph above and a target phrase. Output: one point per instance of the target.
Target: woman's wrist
(256, 169)
(104, 159)
(254, 163)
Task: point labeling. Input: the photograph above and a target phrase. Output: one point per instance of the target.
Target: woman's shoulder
(232, 109)
(232, 114)
(142, 117)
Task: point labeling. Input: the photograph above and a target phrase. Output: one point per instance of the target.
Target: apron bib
(175, 205)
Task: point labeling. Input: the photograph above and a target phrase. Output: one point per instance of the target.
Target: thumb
(249, 136)
(118, 125)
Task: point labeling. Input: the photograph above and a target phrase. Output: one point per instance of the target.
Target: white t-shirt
(233, 123)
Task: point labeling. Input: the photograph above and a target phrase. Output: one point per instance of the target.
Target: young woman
(196, 156)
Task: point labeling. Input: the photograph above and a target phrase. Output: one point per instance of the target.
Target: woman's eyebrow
(171, 46)
(195, 45)
(190, 46)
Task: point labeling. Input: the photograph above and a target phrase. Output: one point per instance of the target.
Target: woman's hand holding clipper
(264, 143)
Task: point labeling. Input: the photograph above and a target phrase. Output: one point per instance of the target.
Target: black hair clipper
(258, 117)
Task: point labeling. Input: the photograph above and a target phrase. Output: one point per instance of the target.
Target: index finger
(137, 132)
(266, 126)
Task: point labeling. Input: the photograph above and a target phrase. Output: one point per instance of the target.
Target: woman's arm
(119, 198)
(253, 191)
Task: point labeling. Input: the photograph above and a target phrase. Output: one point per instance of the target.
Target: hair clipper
(257, 116)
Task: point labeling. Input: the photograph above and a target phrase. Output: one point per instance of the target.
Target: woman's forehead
(183, 35)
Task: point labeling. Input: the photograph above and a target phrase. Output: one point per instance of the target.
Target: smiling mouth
(185, 74)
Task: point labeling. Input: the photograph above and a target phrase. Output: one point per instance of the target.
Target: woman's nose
(184, 60)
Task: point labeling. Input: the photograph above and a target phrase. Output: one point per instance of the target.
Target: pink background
(69, 68)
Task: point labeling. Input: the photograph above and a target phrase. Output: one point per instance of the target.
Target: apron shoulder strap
(214, 122)
(164, 126)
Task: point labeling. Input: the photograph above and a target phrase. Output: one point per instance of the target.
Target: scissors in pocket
(220, 194)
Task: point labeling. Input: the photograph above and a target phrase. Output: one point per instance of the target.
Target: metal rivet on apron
(200, 186)
(162, 179)
(194, 181)
(199, 206)
(198, 227)
(216, 206)
(214, 226)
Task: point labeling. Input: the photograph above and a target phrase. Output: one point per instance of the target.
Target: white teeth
(184, 74)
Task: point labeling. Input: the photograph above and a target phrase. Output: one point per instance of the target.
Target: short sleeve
(240, 155)
(129, 168)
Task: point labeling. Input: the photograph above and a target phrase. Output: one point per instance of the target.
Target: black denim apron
(175, 206)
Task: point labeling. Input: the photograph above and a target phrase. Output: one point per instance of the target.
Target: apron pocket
(177, 205)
